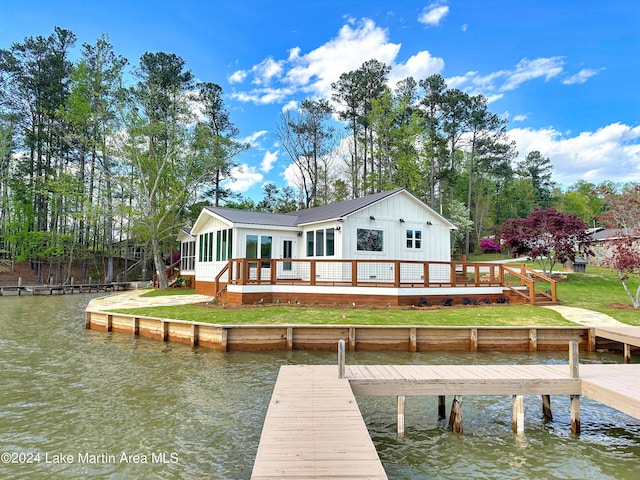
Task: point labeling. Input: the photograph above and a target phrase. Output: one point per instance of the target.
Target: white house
(393, 225)
(388, 248)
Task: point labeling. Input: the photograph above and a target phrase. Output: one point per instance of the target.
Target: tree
(215, 139)
(308, 141)
(546, 236)
(623, 215)
(538, 169)
(162, 173)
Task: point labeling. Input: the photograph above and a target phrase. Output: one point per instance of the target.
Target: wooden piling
(289, 338)
(341, 358)
(546, 408)
(455, 417)
(442, 414)
(627, 353)
(400, 416)
(518, 413)
(574, 371)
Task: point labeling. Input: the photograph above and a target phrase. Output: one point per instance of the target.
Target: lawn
(598, 289)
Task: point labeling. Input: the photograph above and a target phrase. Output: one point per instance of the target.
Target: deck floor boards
(314, 428)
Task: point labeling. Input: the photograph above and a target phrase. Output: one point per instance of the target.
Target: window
(205, 249)
(321, 243)
(224, 244)
(369, 240)
(414, 238)
(188, 256)
(252, 246)
(252, 242)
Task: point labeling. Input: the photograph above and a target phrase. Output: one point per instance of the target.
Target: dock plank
(314, 429)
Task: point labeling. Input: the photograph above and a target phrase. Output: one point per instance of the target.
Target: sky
(565, 74)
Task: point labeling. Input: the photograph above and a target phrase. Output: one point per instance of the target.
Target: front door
(287, 252)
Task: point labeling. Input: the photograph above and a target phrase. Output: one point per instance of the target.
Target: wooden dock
(627, 335)
(314, 429)
(6, 290)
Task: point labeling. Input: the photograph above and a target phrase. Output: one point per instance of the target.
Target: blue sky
(565, 73)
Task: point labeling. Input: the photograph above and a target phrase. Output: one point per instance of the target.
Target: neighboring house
(603, 242)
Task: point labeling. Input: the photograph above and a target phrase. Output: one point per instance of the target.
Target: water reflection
(66, 390)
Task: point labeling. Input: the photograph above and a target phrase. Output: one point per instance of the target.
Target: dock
(628, 336)
(6, 290)
(314, 429)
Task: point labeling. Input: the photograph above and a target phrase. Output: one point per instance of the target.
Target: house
(604, 240)
(384, 248)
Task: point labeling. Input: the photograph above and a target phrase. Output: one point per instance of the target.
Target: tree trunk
(158, 262)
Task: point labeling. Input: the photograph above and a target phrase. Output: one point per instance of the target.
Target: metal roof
(300, 217)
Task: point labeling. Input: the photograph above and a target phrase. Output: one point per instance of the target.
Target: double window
(321, 243)
(222, 246)
(188, 255)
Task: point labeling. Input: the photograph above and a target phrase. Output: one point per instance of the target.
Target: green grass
(502, 315)
(169, 292)
(597, 290)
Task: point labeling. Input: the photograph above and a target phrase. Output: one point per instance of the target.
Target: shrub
(502, 300)
(424, 302)
(470, 301)
(447, 302)
(487, 245)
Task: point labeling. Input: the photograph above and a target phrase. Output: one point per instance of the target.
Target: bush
(489, 246)
(470, 301)
(447, 302)
(502, 300)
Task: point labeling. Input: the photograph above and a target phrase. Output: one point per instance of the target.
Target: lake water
(80, 404)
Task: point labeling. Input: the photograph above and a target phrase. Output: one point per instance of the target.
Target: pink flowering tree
(546, 236)
(623, 215)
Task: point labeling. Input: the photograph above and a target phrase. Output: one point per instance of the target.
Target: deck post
(546, 408)
(574, 370)
(455, 417)
(533, 340)
(441, 407)
(341, 358)
(352, 339)
(400, 416)
(592, 340)
(473, 340)
(413, 344)
(518, 413)
(627, 353)
(194, 334)
(289, 338)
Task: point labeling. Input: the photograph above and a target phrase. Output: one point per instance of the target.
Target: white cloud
(312, 73)
(531, 69)
(432, 14)
(290, 105)
(254, 138)
(418, 66)
(519, 118)
(237, 77)
(243, 178)
(268, 160)
(610, 153)
(505, 80)
(580, 77)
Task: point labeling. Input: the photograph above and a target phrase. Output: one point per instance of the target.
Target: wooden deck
(314, 429)
(627, 335)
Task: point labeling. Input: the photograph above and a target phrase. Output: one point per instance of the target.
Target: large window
(188, 256)
(413, 239)
(205, 253)
(369, 240)
(263, 241)
(321, 243)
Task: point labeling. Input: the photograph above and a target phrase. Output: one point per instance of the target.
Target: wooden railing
(172, 272)
(520, 280)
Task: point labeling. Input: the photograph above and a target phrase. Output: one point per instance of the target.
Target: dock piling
(341, 358)
(574, 370)
(400, 416)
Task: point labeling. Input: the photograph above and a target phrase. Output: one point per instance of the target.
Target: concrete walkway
(586, 317)
(132, 299)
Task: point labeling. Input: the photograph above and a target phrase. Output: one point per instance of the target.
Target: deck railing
(518, 279)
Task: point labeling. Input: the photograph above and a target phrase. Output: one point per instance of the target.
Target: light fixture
(338, 228)
(429, 222)
(371, 217)
(299, 234)
(402, 220)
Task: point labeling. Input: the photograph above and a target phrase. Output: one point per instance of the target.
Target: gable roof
(323, 213)
(614, 234)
